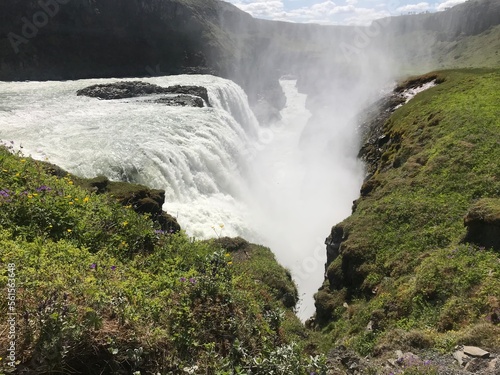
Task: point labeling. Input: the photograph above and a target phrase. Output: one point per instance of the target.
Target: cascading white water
(192, 153)
(217, 166)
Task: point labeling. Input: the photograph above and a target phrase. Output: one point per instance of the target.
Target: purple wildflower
(159, 231)
(427, 362)
(113, 268)
(43, 188)
(4, 193)
(93, 266)
(192, 280)
(183, 279)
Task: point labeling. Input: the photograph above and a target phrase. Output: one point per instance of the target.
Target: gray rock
(461, 357)
(120, 90)
(131, 89)
(189, 90)
(182, 101)
(474, 351)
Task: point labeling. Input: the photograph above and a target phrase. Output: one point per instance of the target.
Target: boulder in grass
(474, 351)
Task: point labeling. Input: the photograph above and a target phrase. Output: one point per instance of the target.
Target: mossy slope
(101, 289)
(404, 269)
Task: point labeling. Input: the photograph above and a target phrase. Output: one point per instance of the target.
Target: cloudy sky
(337, 12)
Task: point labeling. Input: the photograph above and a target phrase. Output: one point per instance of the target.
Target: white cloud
(325, 12)
(263, 8)
(365, 16)
(414, 7)
(448, 4)
(346, 12)
(320, 12)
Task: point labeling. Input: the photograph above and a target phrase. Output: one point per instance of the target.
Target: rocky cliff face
(79, 38)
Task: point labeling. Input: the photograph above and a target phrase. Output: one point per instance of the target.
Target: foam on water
(195, 154)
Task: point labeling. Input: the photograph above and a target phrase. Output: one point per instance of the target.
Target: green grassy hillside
(100, 289)
(404, 269)
(481, 50)
(427, 52)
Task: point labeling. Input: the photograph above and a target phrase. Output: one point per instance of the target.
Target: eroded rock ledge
(142, 199)
(375, 140)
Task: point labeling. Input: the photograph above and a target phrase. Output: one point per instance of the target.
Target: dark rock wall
(98, 39)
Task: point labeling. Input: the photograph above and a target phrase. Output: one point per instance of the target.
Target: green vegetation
(403, 266)
(429, 51)
(481, 50)
(102, 289)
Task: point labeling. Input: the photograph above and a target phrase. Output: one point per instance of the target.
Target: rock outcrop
(140, 198)
(120, 90)
(333, 242)
(483, 223)
(181, 101)
(189, 90)
(375, 140)
(194, 96)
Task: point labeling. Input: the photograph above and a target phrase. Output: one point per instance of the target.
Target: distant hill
(463, 36)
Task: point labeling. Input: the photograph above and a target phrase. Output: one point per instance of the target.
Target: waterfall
(195, 154)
